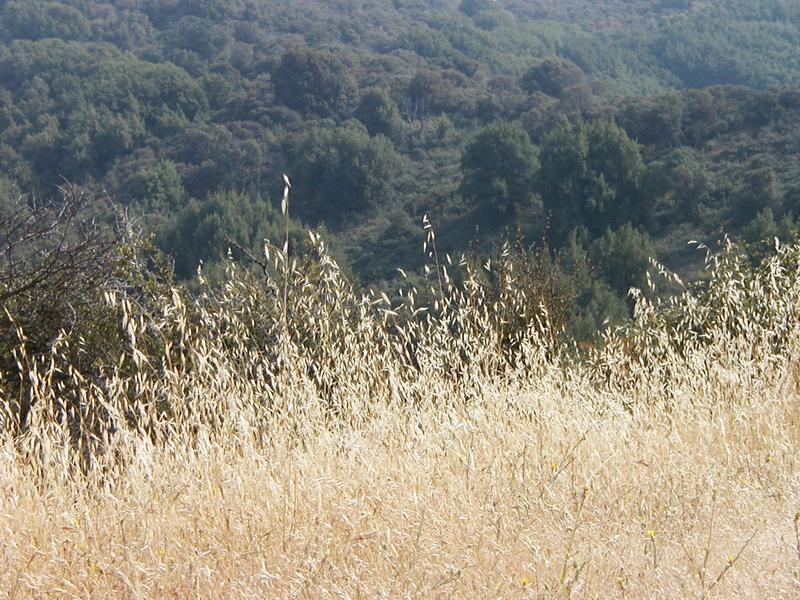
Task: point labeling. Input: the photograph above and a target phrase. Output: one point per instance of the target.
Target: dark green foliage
(553, 76)
(39, 19)
(499, 166)
(204, 231)
(199, 36)
(758, 193)
(622, 257)
(378, 112)
(313, 83)
(428, 94)
(660, 122)
(591, 176)
(342, 172)
(704, 49)
(158, 189)
(472, 7)
(600, 308)
(765, 228)
(679, 185)
(92, 104)
(597, 305)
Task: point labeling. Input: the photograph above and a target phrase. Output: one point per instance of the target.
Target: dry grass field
(290, 445)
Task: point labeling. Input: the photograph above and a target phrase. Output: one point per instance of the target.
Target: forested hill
(613, 129)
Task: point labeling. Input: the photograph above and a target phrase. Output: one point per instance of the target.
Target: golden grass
(341, 469)
(544, 490)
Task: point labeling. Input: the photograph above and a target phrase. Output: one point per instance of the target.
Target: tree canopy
(591, 177)
(499, 167)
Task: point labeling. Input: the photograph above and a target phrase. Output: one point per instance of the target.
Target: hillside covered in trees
(603, 132)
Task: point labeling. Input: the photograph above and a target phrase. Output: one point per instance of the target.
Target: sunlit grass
(313, 443)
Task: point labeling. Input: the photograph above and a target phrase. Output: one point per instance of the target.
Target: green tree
(597, 305)
(313, 83)
(659, 122)
(765, 228)
(37, 19)
(473, 7)
(201, 230)
(622, 256)
(498, 167)
(158, 189)
(202, 36)
(427, 93)
(590, 176)
(679, 185)
(759, 191)
(340, 171)
(552, 76)
(167, 11)
(86, 106)
(378, 112)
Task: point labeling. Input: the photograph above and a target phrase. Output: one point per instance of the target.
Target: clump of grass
(286, 435)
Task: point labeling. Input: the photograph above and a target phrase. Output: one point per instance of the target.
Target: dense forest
(600, 133)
